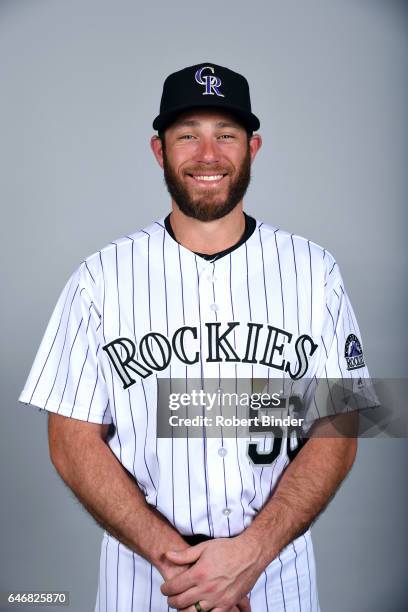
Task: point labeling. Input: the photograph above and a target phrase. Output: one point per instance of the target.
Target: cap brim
(249, 120)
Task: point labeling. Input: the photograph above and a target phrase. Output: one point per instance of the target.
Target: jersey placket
(214, 308)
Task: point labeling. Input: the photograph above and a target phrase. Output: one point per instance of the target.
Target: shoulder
(96, 270)
(296, 246)
(95, 264)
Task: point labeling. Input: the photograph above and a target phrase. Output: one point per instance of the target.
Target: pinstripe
(145, 438)
(221, 429)
(236, 387)
(106, 408)
(83, 365)
(133, 580)
(69, 358)
(134, 430)
(209, 518)
(247, 281)
(267, 318)
(80, 376)
(296, 284)
(281, 580)
(332, 268)
(148, 278)
(53, 342)
(297, 575)
(311, 288)
(266, 592)
(335, 336)
(167, 331)
(308, 571)
(117, 286)
(187, 432)
(327, 379)
(280, 278)
(59, 361)
(106, 574)
(117, 576)
(252, 367)
(182, 288)
(151, 587)
(115, 417)
(93, 392)
(89, 272)
(104, 297)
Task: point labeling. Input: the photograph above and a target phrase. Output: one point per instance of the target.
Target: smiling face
(206, 160)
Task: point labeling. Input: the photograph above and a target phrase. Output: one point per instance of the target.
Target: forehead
(205, 117)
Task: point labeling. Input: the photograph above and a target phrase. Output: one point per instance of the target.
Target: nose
(207, 151)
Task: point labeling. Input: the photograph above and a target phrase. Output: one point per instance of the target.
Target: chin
(208, 211)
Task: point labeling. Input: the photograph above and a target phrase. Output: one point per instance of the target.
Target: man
(208, 293)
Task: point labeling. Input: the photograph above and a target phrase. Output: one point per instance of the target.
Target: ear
(255, 143)
(157, 148)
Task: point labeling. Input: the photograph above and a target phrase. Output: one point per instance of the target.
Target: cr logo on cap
(211, 82)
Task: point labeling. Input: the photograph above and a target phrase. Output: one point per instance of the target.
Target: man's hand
(223, 572)
(242, 606)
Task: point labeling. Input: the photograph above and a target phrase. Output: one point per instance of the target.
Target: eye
(226, 137)
(186, 137)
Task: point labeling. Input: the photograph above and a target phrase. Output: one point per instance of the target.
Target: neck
(208, 236)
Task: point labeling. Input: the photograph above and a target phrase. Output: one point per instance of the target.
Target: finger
(244, 605)
(184, 557)
(188, 598)
(180, 583)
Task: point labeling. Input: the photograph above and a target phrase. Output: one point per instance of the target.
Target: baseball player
(210, 293)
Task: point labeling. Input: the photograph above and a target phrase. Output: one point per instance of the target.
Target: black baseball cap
(205, 85)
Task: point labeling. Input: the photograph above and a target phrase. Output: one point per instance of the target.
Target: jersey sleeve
(342, 380)
(66, 375)
(341, 354)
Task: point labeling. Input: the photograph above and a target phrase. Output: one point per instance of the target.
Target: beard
(208, 206)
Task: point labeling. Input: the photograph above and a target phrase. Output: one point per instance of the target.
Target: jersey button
(226, 511)
(214, 307)
(222, 451)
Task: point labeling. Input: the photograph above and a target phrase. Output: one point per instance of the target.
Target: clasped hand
(218, 573)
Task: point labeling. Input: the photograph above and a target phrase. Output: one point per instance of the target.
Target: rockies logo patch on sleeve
(353, 353)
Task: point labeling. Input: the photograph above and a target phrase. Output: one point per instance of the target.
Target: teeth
(215, 177)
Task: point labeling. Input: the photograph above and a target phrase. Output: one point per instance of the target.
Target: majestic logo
(264, 345)
(210, 82)
(353, 353)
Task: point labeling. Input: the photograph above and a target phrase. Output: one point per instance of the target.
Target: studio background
(80, 85)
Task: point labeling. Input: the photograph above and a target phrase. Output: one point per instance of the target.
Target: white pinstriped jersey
(146, 287)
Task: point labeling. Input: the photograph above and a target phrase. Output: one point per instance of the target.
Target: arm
(81, 456)
(304, 490)
(226, 569)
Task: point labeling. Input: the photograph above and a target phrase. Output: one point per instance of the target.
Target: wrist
(162, 563)
(261, 548)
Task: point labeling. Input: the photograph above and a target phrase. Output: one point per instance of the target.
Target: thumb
(184, 557)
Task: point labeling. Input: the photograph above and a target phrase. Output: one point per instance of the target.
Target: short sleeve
(66, 375)
(341, 381)
(341, 354)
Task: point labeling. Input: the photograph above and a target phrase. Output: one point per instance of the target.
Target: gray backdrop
(80, 85)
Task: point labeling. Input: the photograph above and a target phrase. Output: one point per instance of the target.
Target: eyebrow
(195, 123)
